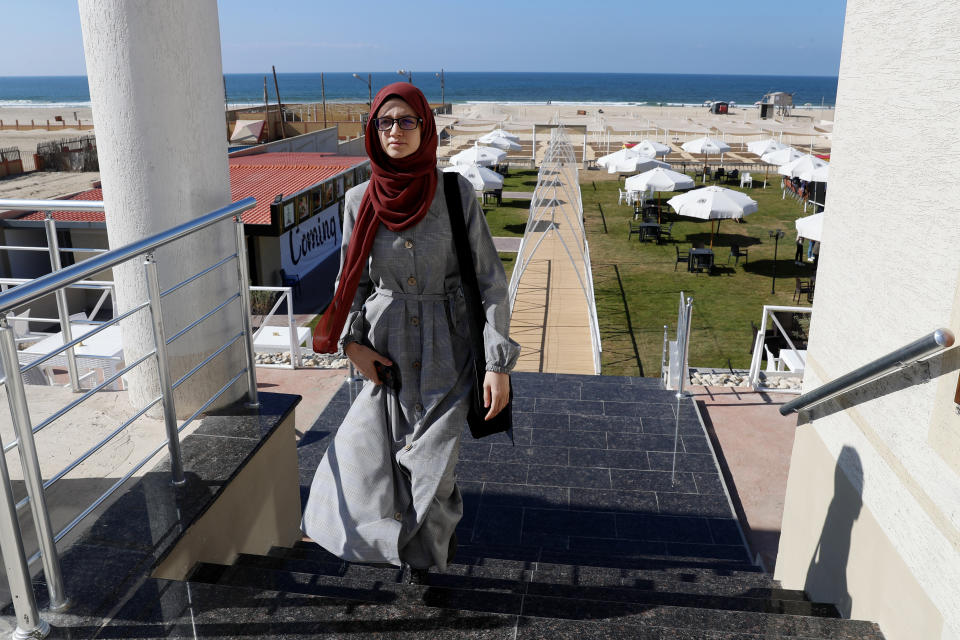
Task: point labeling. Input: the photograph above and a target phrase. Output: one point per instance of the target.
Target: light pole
(369, 89)
(406, 72)
(776, 235)
(442, 98)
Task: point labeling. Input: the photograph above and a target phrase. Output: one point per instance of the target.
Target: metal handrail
(52, 281)
(899, 358)
(56, 282)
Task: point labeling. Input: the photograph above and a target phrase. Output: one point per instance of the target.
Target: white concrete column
(156, 87)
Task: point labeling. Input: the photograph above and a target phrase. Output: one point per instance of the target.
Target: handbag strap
(468, 275)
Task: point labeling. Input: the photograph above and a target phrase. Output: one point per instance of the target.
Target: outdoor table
(793, 360)
(651, 229)
(700, 259)
(103, 351)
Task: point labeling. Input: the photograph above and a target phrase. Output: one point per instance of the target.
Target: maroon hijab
(398, 196)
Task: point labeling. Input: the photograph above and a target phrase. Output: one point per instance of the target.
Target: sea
(246, 89)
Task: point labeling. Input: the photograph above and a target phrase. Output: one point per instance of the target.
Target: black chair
(635, 228)
(680, 258)
(290, 281)
(803, 287)
(719, 174)
(666, 232)
(737, 252)
(733, 177)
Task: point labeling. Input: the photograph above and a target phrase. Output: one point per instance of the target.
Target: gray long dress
(386, 490)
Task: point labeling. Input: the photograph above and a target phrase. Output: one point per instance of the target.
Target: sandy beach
(26, 139)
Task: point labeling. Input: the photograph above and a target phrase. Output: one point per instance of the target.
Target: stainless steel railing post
(163, 370)
(29, 622)
(61, 295)
(244, 276)
(20, 414)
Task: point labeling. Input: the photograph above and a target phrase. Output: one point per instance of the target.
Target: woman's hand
(496, 392)
(363, 358)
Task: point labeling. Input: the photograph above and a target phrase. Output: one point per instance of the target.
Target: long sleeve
(501, 352)
(355, 328)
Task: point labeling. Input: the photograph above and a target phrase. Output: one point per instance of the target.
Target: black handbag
(476, 318)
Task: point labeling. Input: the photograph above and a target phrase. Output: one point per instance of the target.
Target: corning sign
(308, 244)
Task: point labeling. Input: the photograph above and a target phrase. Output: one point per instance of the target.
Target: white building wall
(889, 272)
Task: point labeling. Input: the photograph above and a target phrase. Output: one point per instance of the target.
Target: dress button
(408, 244)
(415, 321)
(411, 281)
(398, 516)
(416, 364)
(418, 407)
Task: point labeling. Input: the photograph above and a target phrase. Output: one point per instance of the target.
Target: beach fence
(57, 124)
(10, 162)
(68, 154)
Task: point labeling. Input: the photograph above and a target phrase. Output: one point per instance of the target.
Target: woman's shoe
(419, 576)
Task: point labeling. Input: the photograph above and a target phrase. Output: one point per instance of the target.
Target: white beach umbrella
(820, 174)
(781, 156)
(651, 149)
(483, 156)
(501, 143)
(802, 167)
(658, 180)
(761, 147)
(634, 164)
(500, 133)
(713, 203)
(706, 146)
(616, 157)
(481, 178)
(810, 227)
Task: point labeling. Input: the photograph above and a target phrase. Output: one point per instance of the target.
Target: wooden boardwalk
(551, 317)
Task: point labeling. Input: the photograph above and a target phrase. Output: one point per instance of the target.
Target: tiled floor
(590, 472)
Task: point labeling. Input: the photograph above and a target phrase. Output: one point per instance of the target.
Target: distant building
(777, 103)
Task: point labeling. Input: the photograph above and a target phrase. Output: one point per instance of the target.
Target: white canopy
(499, 133)
(616, 157)
(810, 227)
(481, 178)
(803, 167)
(713, 203)
(651, 149)
(762, 147)
(659, 180)
(820, 174)
(483, 156)
(782, 156)
(705, 145)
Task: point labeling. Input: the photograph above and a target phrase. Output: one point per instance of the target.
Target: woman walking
(385, 491)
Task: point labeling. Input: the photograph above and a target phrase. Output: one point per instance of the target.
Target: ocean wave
(32, 104)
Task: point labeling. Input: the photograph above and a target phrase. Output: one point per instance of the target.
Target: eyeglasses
(406, 123)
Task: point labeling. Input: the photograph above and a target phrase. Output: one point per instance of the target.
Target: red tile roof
(261, 176)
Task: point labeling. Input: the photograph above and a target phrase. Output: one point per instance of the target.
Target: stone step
(629, 614)
(551, 577)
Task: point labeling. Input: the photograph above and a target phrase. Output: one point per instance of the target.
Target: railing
(286, 294)
(676, 353)
(921, 348)
(759, 344)
(28, 620)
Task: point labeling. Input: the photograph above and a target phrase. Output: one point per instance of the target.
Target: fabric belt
(450, 298)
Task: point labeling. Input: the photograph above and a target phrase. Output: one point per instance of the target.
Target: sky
(750, 37)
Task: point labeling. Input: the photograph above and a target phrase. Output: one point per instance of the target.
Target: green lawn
(637, 290)
(510, 218)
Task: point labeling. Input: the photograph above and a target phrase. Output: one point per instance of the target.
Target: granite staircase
(578, 531)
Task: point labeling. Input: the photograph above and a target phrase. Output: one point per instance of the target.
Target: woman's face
(396, 142)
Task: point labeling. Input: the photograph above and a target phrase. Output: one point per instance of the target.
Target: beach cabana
(713, 203)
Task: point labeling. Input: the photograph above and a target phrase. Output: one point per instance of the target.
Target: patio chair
(622, 196)
(680, 258)
(802, 287)
(733, 176)
(635, 228)
(666, 232)
(737, 252)
(746, 180)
